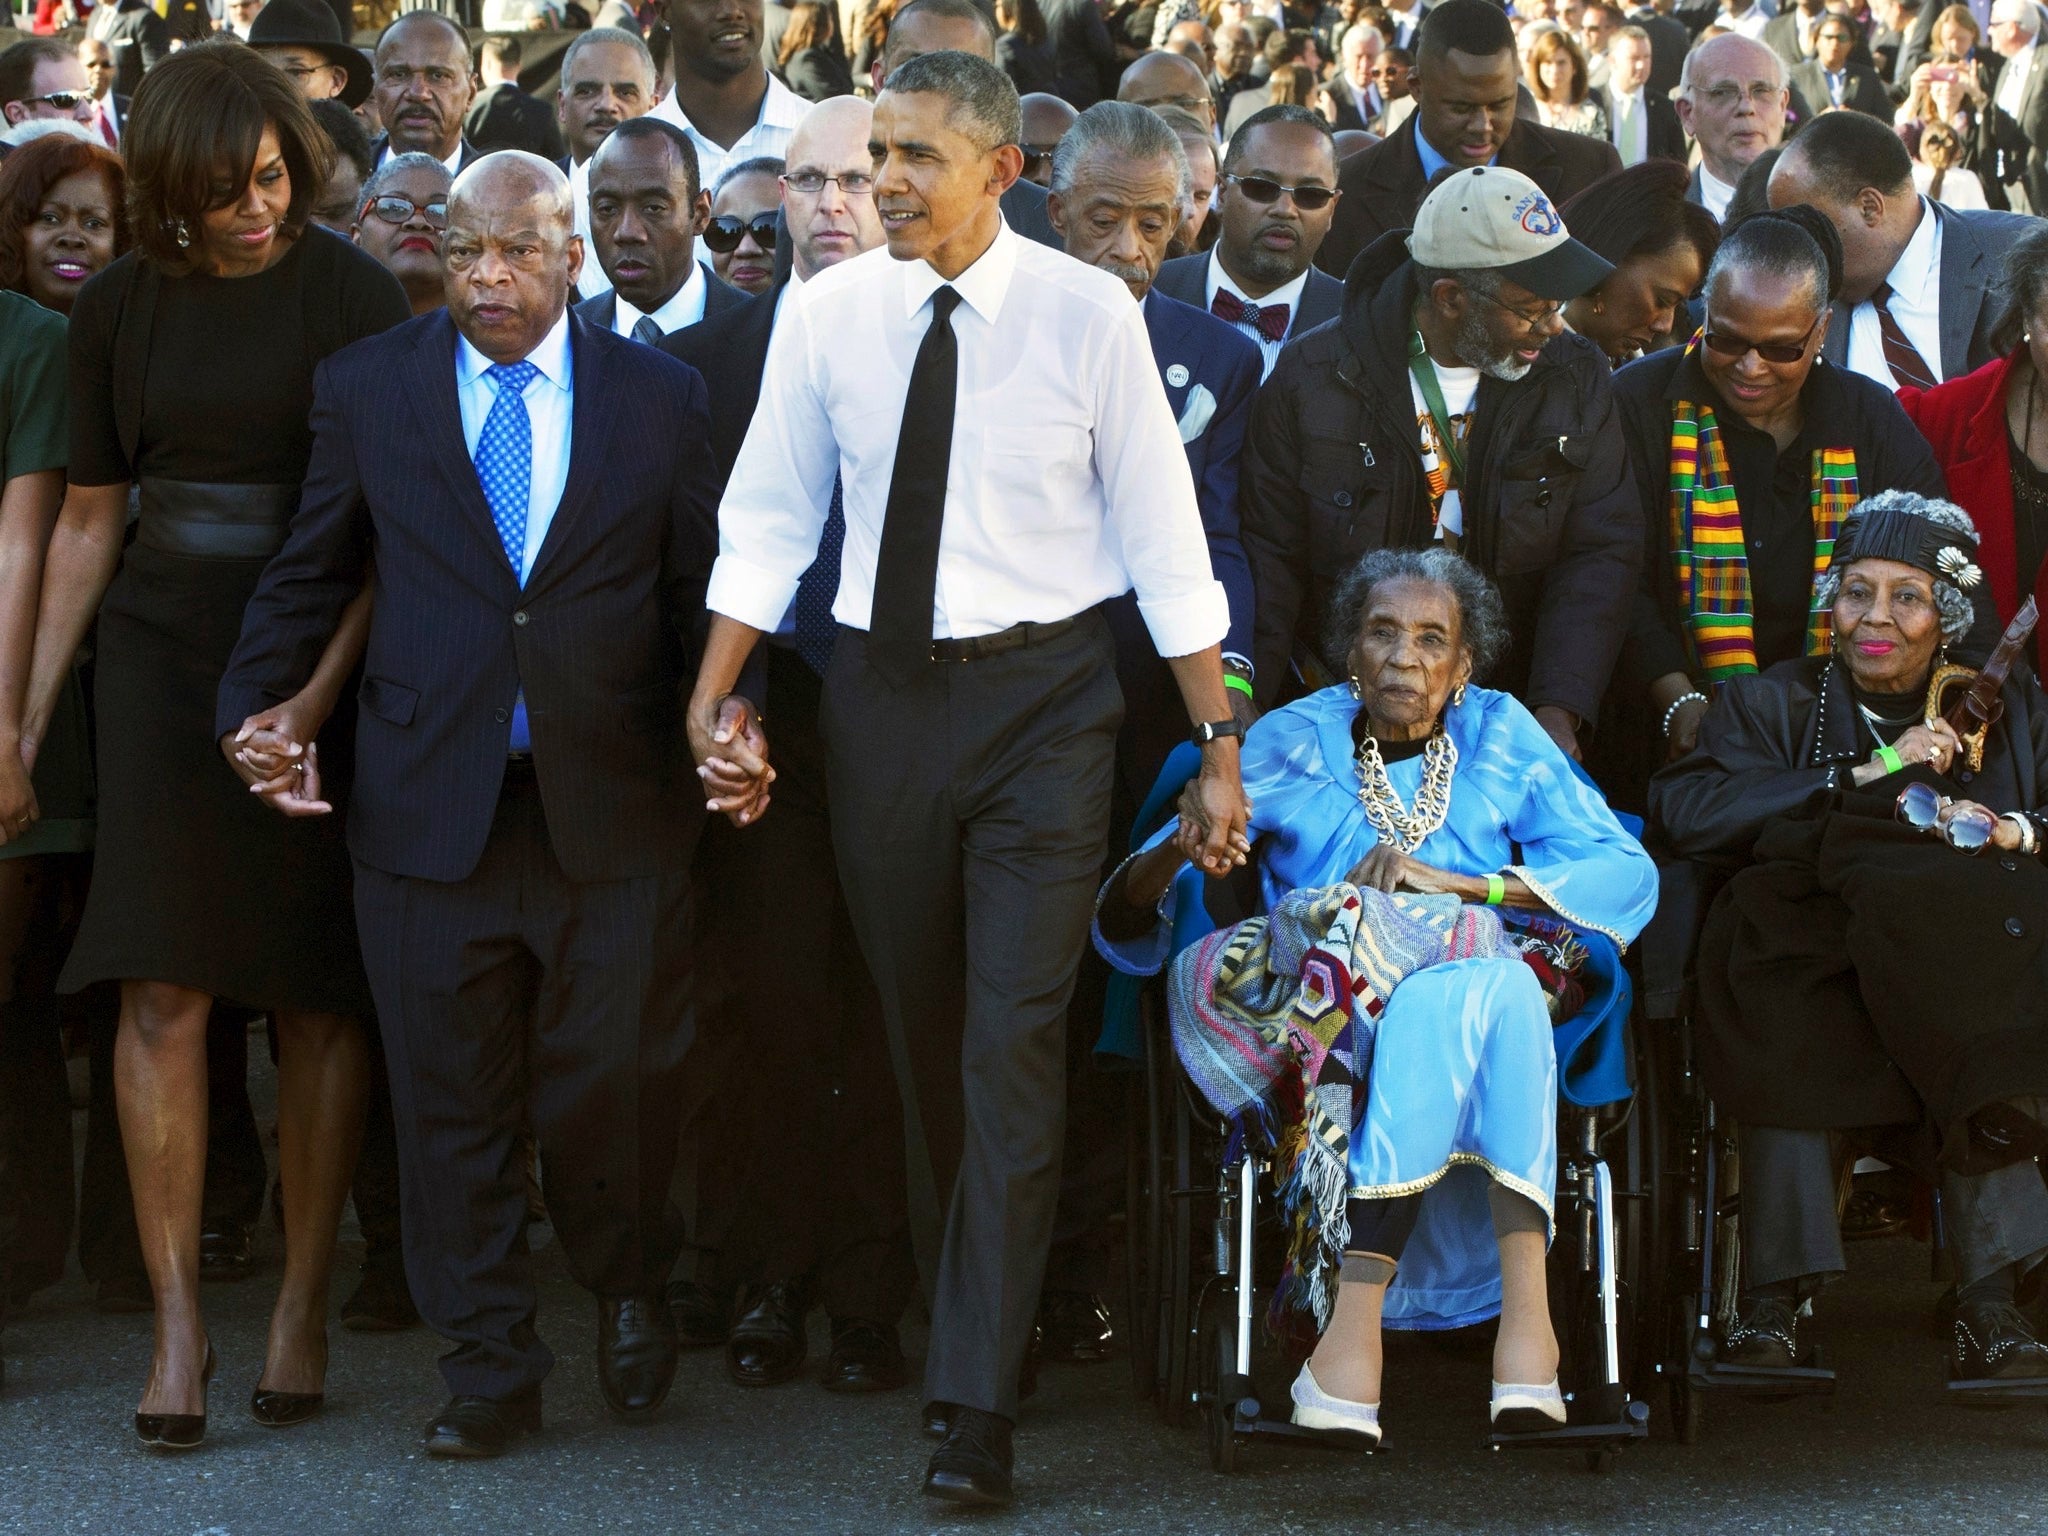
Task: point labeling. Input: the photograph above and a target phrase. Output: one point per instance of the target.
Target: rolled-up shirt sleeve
(776, 501)
(1150, 495)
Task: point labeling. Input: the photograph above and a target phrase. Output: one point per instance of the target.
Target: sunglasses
(1967, 831)
(724, 233)
(1722, 345)
(394, 209)
(1036, 155)
(1261, 189)
(63, 101)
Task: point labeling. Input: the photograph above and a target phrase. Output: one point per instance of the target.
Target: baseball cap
(1489, 218)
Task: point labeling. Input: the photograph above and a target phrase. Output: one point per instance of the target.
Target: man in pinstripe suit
(536, 498)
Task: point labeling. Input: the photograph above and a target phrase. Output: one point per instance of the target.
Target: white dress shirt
(684, 309)
(1288, 294)
(1066, 485)
(548, 396)
(1915, 303)
(592, 281)
(453, 162)
(781, 110)
(1628, 127)
(1714, 194)
(1750, 23)
(2012, 82)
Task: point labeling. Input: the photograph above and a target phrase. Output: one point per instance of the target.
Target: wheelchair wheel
(1216, 1354)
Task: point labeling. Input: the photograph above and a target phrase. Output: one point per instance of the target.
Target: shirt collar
(982, 286)
(1287, 293)
(684, 308)
(780, 108)
(1914, 273)
(453, 162)
(551, 356)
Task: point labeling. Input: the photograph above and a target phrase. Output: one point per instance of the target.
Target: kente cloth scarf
(1708, 557)
(1274, 1020)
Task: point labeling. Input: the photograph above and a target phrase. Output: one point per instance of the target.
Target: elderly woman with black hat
(1829, 1006)
(303, 38)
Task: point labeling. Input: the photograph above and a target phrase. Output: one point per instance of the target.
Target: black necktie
(907, 569)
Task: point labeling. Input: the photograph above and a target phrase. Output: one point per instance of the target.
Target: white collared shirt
(1714, 194)
(1629, 127)
(685, 308)
(781, 110)
(1066, 485)
(549, 395)
(1750, 23)
(1288, 294)
(2012, 82)
(591, 281)
(1915, 303)
(453, 162)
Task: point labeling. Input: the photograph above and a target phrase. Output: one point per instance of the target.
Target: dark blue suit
(523, 924)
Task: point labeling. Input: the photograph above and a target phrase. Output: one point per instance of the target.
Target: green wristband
(1242, 684)
(1496, 890)
(1889, 756)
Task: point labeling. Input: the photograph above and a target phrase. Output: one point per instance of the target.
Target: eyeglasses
(1535, 320)
(1722, 345)
(1261, 189)
(63, 101)
(1724, 98)
(724, 233)
(1036, 155)
(811, 183)
(394, 209)
(1968, 830)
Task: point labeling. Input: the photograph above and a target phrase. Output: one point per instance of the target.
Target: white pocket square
(1194, 420)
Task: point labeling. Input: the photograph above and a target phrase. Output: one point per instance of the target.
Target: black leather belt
(1015, 638)
(215, 522)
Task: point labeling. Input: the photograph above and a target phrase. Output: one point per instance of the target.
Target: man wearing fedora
(303, 38)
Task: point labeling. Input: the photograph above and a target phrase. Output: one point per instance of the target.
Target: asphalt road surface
(1888, 1456)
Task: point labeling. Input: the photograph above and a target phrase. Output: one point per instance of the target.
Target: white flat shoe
(1519, 1410)
(1316, 1409)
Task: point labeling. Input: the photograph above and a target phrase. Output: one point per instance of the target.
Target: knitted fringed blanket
(1274, 1020)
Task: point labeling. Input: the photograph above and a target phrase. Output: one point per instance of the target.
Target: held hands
(1215, 817)
(1387, 868)
(732, 759)
(275, 754)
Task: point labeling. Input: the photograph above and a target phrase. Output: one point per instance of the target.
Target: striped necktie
(1909, 368)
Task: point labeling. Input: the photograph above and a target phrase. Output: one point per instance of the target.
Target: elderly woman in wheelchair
(1875, 965)
(1396, 819)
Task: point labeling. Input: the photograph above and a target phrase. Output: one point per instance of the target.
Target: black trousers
(803, 1134)
(970, 810)
(518, 998)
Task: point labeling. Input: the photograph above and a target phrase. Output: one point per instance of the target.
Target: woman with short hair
(62, 217)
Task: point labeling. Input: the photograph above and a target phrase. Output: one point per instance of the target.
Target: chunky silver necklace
(1394, 822)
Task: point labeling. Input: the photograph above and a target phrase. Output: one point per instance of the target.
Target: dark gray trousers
(969, 811)
(518, 999)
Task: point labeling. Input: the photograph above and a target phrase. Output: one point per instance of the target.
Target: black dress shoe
(636, 1355)
(767, 1344)
(1073, 1326)
(938, 1415)
(478, 1427)
(701, 1321)
(176, 1431)
(380, 1303)
(866, 1357)
(973, 1465)
(1994, 1342)
(1764, 1337)
(283, 1410)
(122, 1295)
(226, 1252)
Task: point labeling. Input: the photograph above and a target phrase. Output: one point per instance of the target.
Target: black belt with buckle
(1015, 638)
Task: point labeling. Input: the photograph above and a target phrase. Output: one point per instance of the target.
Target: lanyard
(1433, 397)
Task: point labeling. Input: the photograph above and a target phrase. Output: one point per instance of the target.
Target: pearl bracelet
(1679, 703)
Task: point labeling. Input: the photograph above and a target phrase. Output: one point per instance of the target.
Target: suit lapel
(433, 385)
(1963, 281)
(590, 424)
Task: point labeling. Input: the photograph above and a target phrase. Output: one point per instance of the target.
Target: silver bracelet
(1679, 703)
(2029, 841)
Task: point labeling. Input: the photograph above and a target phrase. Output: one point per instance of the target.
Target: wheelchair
(1695, 1223)
(1204, 1240)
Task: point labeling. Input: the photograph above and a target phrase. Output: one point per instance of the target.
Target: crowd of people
(444, 613)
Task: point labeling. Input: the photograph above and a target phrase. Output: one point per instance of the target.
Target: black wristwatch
(1210, 730)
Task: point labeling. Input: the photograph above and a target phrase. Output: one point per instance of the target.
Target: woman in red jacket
(1989, 430)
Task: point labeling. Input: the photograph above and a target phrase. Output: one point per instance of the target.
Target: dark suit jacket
(138, 38)
(2015, 149)
(603, 638)
(1383, 186)
(1667, 136)
(1973, 247)
(505, 117)
(1024, 211)
(1863, 90)
(1781, 36)
(1670, 42)
(603, 310)
(470, 153)
(1186, 278)
(1087, 56)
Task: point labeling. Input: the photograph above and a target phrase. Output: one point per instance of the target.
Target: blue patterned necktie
(816, 629)
(647, 330)
(504, 466)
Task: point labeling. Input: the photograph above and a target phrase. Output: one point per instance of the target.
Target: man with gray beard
(1450, 402)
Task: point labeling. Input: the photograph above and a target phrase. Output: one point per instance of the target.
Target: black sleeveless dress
(198, 389)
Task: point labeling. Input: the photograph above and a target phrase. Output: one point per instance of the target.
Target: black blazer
(602, 311)
(1667, 135)
(1024, 211)
(138, 38)
(505, 117)
(603, 639)
(1383, 186)
(1862, 91)
(731, 350)
(1187, 278)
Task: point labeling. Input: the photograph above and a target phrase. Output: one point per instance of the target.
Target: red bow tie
(1269, 320)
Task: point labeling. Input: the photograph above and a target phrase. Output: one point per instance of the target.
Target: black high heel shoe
(176, 1431)
(283, 1410)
